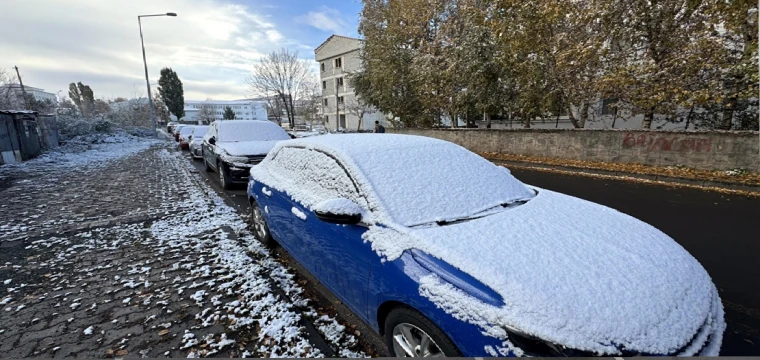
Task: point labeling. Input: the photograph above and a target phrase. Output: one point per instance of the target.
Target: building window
(322, 65)
(340, 100)
(327, 119)
(324, 85)
(324, 102)
(340, 81)
(338, 62)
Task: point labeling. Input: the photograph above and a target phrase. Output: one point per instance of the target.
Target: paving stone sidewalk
(135, 257)
(48, 197)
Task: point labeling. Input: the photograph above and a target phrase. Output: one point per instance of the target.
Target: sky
(211, 44)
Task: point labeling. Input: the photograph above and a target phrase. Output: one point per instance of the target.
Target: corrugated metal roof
(17, 112)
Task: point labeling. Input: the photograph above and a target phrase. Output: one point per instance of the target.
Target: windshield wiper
(478, 216)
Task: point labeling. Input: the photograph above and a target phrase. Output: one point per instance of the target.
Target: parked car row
(444, 253)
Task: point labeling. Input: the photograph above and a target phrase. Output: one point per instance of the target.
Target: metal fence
(24, 135)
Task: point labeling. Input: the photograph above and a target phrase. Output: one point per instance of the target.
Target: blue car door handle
(298, 213)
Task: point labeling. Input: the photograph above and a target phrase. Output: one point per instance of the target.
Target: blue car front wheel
(259, 225)
(408, 333)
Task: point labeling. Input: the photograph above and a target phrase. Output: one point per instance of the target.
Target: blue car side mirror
(338, 211)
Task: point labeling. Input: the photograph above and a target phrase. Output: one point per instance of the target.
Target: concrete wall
(700, 150)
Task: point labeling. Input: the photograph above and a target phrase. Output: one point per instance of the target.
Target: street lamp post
(145, 62)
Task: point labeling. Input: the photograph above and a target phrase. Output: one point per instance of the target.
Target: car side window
(320, 174)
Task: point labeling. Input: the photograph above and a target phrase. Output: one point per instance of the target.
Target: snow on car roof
(200, 130)
(250, 130)
(419, 180)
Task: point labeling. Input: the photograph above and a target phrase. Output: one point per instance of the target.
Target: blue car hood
(574, 273)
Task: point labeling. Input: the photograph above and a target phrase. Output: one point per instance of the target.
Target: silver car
(196, 140)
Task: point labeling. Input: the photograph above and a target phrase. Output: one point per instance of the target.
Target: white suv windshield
(232, 131)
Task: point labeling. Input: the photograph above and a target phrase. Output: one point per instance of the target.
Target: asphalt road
(717, 229)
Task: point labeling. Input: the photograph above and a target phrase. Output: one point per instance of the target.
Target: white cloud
(211, 44)
(326, 19)
(274, 35)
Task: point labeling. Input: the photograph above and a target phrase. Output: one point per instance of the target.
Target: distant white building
(37, 93)
(338, 57)
(244, 109)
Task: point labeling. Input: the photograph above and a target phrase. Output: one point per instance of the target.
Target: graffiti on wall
(664, 142)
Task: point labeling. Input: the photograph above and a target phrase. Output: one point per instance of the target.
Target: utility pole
(23, 92)
(145, 62)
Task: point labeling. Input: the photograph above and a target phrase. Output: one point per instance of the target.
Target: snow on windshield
(199, 131)
(425, 182)
(419, 180)
(232, 130)
(187, 130)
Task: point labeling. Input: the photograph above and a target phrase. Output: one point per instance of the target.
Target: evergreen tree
(82, 96)
(228, 113)
(172, 93)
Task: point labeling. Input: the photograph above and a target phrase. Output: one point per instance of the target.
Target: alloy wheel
(411, 341)
(220, 170)
(259, 227)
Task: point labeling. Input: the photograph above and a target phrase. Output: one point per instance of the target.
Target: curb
(620, 175)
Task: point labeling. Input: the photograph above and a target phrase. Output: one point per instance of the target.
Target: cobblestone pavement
(134, 256)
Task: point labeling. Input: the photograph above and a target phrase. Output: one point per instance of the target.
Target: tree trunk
(648, 117)
(584, 114)
(614, 117)
(556, 122)
(688, 118)
(488, 121)
(454, 121)
(526, 121)
(572, 118)
(728, 113)
(292, 115)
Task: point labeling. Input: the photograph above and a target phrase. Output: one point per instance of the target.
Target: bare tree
(280, 73)
(356, 106)
(311, 100)
(207, 114)
(8, 98)
(274, 107)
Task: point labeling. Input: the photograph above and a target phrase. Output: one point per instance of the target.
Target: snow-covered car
(196, 141)
(184, 136)
(232, 147)
(444, 253)
(176, 131)
(170, 126)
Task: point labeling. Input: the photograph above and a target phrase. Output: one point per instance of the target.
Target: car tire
(224, 179)
(258, 225)
(408, 326)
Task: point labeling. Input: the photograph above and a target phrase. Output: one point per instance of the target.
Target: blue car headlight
(533, 346)
(458, 278)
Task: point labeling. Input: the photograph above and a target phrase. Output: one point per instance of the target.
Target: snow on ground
(87, 151)
(251, 263)
(197, 276)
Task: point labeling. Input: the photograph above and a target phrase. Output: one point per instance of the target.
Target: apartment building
(338, 57)
(204, 110)
(14, 91)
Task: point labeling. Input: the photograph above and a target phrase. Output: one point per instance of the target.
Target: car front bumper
(239, 173)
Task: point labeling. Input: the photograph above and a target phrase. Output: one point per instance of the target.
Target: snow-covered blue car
(446, 254)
